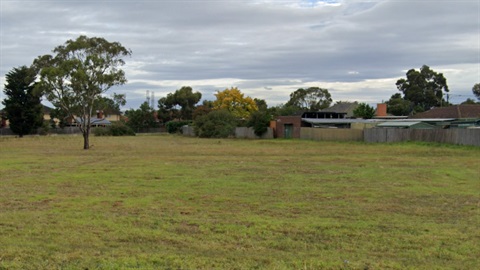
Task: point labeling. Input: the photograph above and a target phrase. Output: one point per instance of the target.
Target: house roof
(344, 107)
(95, 121)
(456, 111)
(405, 124)
(338, 120)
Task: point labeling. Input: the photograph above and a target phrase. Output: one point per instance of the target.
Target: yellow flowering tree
(235, 102)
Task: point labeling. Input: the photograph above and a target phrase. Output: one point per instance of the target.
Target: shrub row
(176, 126)
(115, 129)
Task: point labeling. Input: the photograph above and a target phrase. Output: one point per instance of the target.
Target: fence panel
(452, 136)
(6, 131)
(188, 131)
(248, 133)
(325, 134)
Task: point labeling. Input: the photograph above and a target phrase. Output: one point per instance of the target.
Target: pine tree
(22, 105)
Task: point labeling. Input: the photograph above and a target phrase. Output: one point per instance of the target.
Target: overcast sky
(267, 48)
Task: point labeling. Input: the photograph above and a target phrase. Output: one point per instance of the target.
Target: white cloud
(356, 49)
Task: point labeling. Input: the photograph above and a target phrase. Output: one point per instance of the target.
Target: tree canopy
(424, 88)
(398, 106)
(184, 98)
(78, 72)
(311, 99)
(364, 111)
(261, 104)
(234, 101)
(476, 90)
(216, 124)
(259, 121)
(22, 103)
(142, 118)
(283, 110)
(110, 105)
(469, 101)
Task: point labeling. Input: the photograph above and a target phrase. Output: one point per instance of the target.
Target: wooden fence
(326, 134)
(6, 131)
(188, 131)
(248, 133)
(451, 136)
(41, 131)
(371, 135)
(386, 135)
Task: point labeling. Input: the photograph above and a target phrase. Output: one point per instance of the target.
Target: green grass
(167, 202)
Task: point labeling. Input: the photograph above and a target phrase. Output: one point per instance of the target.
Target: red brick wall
(296, 121)
(381, 109)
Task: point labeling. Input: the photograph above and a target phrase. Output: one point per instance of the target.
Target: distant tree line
(77, 75)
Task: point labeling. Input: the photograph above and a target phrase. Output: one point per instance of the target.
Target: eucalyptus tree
(110, 105)
(398, 106)
(78, 73)
(424, 88)
(313, 99)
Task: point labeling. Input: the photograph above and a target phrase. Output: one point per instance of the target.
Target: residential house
(338, 116)
(94, 122)
(112, 116)
(456, 116)
(464, 111)
(344, 108)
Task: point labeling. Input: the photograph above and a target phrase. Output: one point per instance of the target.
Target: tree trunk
(86, 143)
(86, 136)
(86, 129)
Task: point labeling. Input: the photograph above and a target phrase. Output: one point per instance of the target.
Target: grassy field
(167, 202)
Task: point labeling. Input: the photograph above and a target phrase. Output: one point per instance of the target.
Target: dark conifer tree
(22, 105)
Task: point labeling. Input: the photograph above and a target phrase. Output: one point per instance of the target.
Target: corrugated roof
(398, 124)
(405, 124)
(95, 121)
(338, 120)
